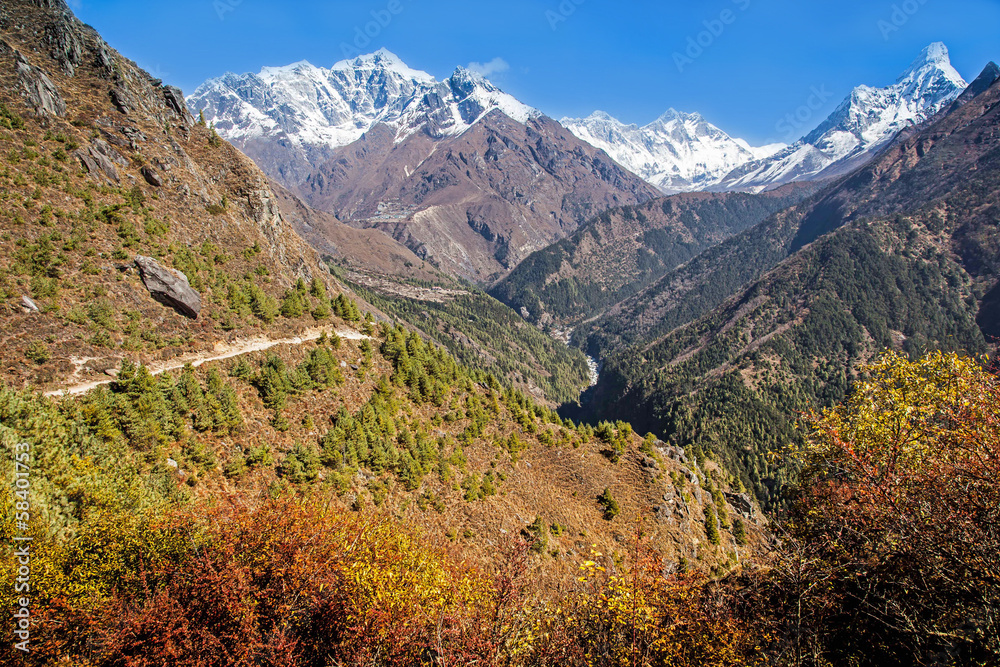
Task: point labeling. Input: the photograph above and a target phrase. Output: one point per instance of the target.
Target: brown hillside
(475, 204)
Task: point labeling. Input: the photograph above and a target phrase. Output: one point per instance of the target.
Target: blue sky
(757, 61)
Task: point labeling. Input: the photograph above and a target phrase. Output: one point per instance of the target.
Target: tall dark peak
(983, 82)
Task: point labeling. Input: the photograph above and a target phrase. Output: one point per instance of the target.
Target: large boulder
(151, 176)
(28, 304)
(169, 287)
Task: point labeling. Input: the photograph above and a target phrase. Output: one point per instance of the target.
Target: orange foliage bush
(286, 584)
(293, 585)
(893, 550)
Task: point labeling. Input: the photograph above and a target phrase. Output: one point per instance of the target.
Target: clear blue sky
(570, 57)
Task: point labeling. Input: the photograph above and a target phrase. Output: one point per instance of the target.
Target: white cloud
(495, 66)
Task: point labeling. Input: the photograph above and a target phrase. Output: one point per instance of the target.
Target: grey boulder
(151, 177)
(169, 287)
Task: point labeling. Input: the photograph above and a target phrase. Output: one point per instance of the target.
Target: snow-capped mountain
(290, 119)
(462, 173)
(678, 152)
(865, 122)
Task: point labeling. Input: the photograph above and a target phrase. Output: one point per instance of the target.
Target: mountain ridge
(477, 203)
(310, 111)
(865, 121)
(678, 152)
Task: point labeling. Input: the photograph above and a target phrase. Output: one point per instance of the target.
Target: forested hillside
(485, 334)
(102, 164)
(389, 428)
(135, 237)
(923, 166)
(624, 250)
(735, 380)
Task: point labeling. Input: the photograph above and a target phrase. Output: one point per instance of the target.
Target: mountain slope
(904, 254)
(474, 204)
(104, 163)
(622, 251)
(901, 178)
(458, 171)
(678, 152)
(864, 123)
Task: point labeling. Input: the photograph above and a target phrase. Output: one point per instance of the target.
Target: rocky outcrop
(741, 503)
(175, 100)
(102, 147)
(37, 87)
(169, 287)
(96, 163)
(65, 46)
(673, 509)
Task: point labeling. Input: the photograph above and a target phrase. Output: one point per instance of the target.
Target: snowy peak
(874, 115)
(936, 56)
(476, 91)
(267, 73)
(290, 118)
(678, 152)
(383, 60)
(672, 114)
(861, 125)
(602, 116)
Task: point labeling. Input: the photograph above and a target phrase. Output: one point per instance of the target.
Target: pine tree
(712, 526)
(292, 305)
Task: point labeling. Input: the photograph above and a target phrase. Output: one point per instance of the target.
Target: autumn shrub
(641, 617)
(285, 584)
(892, 551)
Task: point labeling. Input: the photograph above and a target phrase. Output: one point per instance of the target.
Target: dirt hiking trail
(221, 351)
